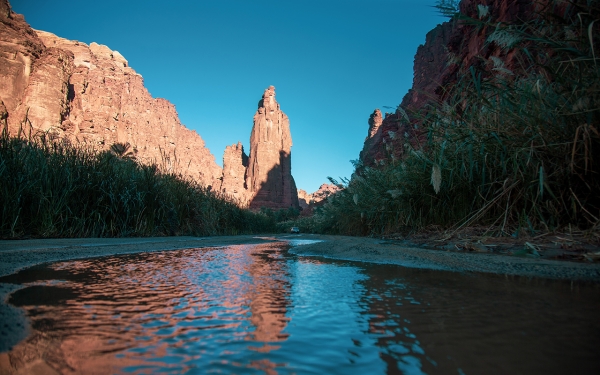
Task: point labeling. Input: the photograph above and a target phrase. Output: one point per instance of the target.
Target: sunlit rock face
(89, 96)
(374, 136)
(324, 192)
(269, 176)
(303, 198)
(264, 179)
(19, 49)
(235, 162)
(308, 202)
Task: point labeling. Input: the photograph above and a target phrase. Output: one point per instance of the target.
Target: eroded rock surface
(263, 179)
(269, 176)
(89, 96)
(309, 201)
(235, 162)
(449, 51)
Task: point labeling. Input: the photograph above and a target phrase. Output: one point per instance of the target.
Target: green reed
(50, 189)
(517, 151)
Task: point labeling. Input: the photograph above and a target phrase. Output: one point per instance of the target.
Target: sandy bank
(380, 251)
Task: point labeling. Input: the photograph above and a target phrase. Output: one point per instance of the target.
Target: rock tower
(268, 176)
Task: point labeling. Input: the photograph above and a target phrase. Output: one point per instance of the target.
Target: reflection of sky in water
(325, 301)
(302, 242)
(258, 309)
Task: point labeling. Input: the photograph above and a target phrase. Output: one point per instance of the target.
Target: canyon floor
(527, 259)
(460, 257)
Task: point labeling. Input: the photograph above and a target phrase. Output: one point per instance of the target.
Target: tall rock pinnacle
(269, 177)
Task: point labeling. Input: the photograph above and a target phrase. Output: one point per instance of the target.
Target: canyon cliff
(235, 163)
(450, 51)
(308, 201)
(89, 96)
(268, 178)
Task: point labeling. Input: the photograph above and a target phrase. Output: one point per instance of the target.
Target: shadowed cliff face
(89, 96)
(269, 175)
(450, 50)
(279, 188)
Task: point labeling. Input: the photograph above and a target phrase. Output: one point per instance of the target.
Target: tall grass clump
(516, 150)
(50, 189)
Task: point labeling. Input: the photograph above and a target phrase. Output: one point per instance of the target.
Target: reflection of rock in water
(128, 311)
(269, 296)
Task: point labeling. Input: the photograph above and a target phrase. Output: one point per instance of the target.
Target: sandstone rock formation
(449, 51)
(89, 96)
(235, 162)
(269, 177)
(303, 198)
(324, 192)
(310, 202)
(268, 171)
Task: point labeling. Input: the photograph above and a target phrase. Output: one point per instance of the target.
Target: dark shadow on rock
(279, 189)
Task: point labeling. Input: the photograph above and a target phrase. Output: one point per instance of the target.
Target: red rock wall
(264, 179)
(90, 96)
(449, 51)
(235, 162)
(269, 176)
(324, 192)
(308, 202)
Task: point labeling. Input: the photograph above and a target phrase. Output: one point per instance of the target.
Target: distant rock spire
(235, 162)
(269, 176)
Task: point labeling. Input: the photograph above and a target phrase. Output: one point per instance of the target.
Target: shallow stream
(260, 309)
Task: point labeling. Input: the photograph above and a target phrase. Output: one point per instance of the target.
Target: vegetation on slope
(51, 189)
(514, 151)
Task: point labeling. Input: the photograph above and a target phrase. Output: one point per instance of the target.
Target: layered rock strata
(88, 95)
(268, 182)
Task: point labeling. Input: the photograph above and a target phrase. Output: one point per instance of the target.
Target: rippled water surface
(259, 309)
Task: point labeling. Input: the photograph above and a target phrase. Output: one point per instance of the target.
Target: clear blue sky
(332, 63)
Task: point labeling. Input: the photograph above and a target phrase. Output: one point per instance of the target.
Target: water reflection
(258, 309)
(172, 311)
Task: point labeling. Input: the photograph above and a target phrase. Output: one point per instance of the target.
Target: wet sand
(382, 251)
(16, 255)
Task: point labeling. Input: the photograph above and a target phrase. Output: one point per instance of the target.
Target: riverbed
(261, 305)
